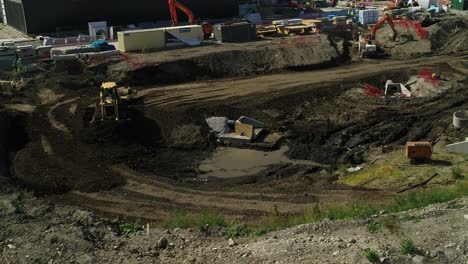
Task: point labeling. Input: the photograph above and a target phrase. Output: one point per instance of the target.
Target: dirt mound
(228, 60)
(137, 130)
(448, 34)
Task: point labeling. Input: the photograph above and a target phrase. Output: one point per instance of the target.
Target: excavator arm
(387, 18)
(173, 6)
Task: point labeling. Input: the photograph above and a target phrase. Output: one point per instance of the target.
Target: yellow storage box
(138, 40)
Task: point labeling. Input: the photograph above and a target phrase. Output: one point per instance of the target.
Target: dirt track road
(223, 89)
(152, 197)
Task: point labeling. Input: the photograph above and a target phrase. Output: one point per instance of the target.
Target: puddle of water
(234, 162)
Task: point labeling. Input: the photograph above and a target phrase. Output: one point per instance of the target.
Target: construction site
(117, 143)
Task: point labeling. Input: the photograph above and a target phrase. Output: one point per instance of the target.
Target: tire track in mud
(53, 121)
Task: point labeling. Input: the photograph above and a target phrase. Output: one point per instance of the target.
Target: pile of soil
(448, 34)
(230, 59)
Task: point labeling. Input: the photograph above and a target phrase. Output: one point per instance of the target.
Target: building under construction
(47, 16)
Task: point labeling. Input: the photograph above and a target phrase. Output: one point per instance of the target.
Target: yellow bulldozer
(113, 101)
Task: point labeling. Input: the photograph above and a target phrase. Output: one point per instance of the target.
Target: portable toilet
(460, 4)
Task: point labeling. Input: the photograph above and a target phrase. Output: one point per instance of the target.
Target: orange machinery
(367, 45)
(174, 5)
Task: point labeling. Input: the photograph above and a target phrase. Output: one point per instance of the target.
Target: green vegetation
(210, 219)
(260, 231)
(414, 219)
(392, 223)
(236, 230)
(407, 247)
(275, 221)
(6, 227)
(374, 227)
(372, 256)
(179, 220)
(130, 228)
(382, 173)
(457, 173)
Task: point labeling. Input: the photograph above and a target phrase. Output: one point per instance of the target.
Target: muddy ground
(307, 91)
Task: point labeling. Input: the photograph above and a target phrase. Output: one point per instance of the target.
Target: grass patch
(374, 227)
(372, 256)
(179, 220)
(130, 228)
(392, 223)
(456, 206)
(404, 202)
(236, 230)
(407, 247)
(384, 172)
(210, 219)
(6, 228)
(414, 219)
(457, 173)
(260, 231)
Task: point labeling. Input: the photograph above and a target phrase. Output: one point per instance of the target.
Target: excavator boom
(387, 18)
(173, 6)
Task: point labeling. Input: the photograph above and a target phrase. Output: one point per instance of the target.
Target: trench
(13, 137)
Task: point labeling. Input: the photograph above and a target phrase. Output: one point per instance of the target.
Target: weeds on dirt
(372, 256)
(356, 211)
(402, 203)
(456, 206)
(414, 219)
(260, 231)
(385, 172)
(236, 230)
(179, 220)
(210, 219)
(457, 173)
(407, 247)
(374, 227)
(130, 228)
(343, 170)
(6, 227)
(392, 223)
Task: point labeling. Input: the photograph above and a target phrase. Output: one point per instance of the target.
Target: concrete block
(233, 137)
(459, 147)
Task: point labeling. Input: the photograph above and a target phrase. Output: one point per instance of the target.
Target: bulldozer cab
(109, 101)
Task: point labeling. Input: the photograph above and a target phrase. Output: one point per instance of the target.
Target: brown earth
(43, 231)
(154, 165)
(149, 166)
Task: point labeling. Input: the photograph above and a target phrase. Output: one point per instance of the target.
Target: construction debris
(460, 119)
(243, 130)
(458, 147)
(416, 151)
(396, 89)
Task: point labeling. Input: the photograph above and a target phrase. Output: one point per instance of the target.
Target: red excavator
(367, 45)
(174, 5)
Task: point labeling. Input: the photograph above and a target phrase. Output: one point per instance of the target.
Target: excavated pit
(13, 137)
